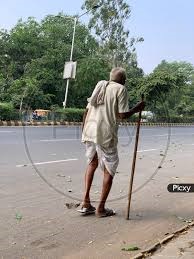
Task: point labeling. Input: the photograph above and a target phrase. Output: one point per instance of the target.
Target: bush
(7, 112)
(68, 114)
(74, 114)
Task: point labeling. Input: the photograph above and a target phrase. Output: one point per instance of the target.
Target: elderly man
(109, 101)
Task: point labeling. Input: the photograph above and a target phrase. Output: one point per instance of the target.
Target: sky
(167, 26)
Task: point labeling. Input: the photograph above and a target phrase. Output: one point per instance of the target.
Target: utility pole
(76, 18)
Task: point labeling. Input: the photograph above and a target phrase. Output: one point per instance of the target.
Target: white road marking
(49, 162)
(57, 140)
(66, 139)
(124, 137)
(140, 151)
(164, 135)
(146, 150)
(6, 131)
(73, 139)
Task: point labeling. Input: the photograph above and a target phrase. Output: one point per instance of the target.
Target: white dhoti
(107, 157)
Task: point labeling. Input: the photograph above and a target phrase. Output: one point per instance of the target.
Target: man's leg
(89, 175)
(107, 184)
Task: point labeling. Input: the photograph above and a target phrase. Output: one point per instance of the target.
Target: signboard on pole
(70, 70)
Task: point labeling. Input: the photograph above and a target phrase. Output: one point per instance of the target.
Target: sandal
(106, 213)
(87, 211)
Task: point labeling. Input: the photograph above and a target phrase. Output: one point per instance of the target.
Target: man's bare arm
(139, 107)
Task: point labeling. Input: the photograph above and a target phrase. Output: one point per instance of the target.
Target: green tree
(33, 56)
(180, 97)
(90, 71)
(166, 89)
(134, 77)
(108, 23)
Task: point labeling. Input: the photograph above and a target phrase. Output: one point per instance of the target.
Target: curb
(168, 238)
(67, 123)
(138, 256)
(38, 123)
(150, 250)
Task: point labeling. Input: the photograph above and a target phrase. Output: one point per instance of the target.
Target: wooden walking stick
(134, 162)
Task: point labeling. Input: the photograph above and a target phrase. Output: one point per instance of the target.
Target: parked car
(148, 115)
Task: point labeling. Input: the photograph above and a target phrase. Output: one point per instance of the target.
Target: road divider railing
(67, 123)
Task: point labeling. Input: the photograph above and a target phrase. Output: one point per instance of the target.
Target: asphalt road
(41, 168)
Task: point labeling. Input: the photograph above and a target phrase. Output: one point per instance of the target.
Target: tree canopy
(108, 23)
(32, 58)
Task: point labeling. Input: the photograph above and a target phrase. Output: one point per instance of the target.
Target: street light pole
(73, 39)
(72, 47)
(24, 93)
(71, 57)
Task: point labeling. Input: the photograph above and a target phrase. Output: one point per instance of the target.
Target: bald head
(118, 74)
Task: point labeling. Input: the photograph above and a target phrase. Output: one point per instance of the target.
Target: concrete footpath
(181, 247)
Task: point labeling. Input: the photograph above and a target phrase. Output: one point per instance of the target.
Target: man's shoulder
(102, 82)
(117, 85)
